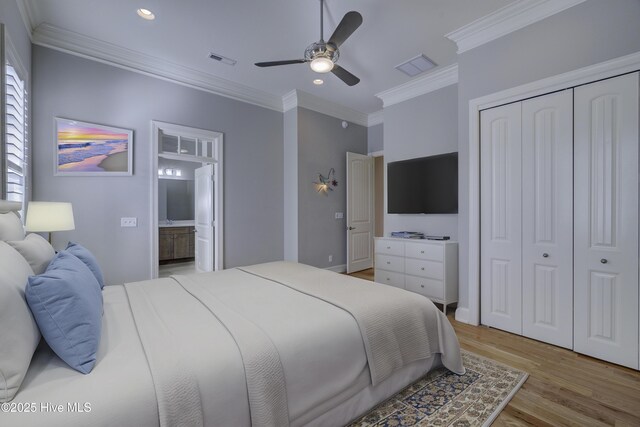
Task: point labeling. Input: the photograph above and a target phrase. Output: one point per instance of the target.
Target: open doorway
(186, 200)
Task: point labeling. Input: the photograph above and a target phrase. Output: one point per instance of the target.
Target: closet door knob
(604, 260)
(545, 255)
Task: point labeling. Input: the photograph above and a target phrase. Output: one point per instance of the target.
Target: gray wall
(423, 126)
(73, 87)
(592, 32)
(16, 30)
(375, 138)
(322, 145)
(290, 185)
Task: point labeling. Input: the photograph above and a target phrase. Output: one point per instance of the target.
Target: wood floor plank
(564, 388)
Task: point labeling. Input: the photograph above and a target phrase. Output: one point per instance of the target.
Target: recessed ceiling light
(146, 14)
(318, 82)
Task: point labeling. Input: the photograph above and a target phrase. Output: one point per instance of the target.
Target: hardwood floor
(563, 389)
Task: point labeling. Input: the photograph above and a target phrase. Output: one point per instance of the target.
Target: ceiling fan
(322, 56)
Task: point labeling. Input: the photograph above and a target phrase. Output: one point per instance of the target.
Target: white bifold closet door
(547, 218)
(527, 218)
(606, 220)
(501, 217)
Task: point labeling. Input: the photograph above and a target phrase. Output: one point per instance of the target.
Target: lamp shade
(49, 216)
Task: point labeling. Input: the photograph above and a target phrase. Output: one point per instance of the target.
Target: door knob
(351, 228)
(545, 255)
(604, 260)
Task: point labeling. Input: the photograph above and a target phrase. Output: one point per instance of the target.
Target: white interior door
(606, 220)
(501, 216)
(547, 218)
(360, 212)
(204, 218)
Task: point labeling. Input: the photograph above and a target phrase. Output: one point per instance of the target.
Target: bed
(272, 344)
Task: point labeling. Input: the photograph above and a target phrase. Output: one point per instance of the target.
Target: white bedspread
(235, 348)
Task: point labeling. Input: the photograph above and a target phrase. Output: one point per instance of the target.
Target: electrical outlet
(339, 215)
(330, 258)
(128, 222)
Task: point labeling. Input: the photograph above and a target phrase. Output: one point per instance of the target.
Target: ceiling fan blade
(345, 76)
(350, 22)
(274, 63)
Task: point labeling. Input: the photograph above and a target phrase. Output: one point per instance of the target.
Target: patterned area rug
(442, 398)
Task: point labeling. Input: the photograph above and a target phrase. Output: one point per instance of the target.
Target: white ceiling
(184, 32)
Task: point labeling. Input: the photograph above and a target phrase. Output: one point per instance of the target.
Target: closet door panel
(501, 232)
(606, 220)
(547, 218)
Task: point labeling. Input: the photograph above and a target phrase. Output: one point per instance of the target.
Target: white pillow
(11, 227)
(20, 335)
(36, 250)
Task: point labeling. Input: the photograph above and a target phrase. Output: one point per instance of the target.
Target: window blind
(16, 135)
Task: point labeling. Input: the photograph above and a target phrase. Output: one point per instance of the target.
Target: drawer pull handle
(422, 269)
(388, 262)
(422, 286)
(545, 255)
(604, 260)
(388, 247)
(388, 278)
(421, 252)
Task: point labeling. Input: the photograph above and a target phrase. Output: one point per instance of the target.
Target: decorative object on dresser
(429, 268)
(176, 243)
(47, 217)
(407, 234)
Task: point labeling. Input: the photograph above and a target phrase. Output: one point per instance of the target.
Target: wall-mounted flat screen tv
(428, 185)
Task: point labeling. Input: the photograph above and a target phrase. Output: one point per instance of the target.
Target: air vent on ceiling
(222, 59)
(416, 65)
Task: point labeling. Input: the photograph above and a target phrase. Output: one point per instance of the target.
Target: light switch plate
(339, 215)
(128, 222)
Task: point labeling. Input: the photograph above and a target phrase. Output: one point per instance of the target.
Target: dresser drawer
(424, 268)
(430, 288)
(424, 251)
(389, 278)
(390, 263)
(389, 247)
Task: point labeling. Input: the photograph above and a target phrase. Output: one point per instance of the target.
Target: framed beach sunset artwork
(88, 149)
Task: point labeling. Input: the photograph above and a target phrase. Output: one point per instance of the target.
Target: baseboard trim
(342, 268)
(462, 314)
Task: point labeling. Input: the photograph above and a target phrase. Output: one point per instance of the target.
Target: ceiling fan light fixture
(321, 64)
(146, 14)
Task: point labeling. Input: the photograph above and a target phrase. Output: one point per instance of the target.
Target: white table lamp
(46, 217)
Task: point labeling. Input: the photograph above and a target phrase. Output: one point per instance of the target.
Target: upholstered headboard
(11, 227)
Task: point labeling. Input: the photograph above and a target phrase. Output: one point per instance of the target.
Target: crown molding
(30, 14)
(435, 80)
(87, 47)
(298, 98)
(506, 20)
(375, 118)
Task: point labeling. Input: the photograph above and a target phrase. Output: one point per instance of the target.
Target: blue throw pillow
(89, 260)
(66, 302)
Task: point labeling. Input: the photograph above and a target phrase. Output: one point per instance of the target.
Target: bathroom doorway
(186, 204)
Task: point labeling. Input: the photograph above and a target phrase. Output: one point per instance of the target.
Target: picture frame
(91, 149)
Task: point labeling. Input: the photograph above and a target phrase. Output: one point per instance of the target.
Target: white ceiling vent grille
(416, 65)
(222, 59)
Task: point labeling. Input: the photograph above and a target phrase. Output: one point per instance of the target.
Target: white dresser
(427, 267)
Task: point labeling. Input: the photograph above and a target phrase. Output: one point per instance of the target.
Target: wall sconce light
(168, 172)
(324, 184)
(178, 172)
(160, 172)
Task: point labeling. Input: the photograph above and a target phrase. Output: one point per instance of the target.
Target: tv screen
(428, 185)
